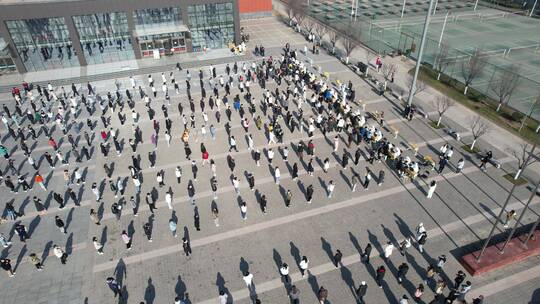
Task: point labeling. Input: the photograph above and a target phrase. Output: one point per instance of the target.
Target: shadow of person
(355, 242)
(244, 266)
(150, 292)
(328, 249)
(346, 275)
(120, 272)
(295, 252)
(220, 283)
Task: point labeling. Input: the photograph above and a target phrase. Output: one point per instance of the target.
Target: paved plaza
(460, 212)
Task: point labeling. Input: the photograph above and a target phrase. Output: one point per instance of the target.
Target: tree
(524, 155)
(309, 25)
(334, 37)
(472, 68)
(505, 84)
(320, 30)
(388, 70)
(442, 60)
(349, 44)
(442, 104)
(299, 11)
(420, 85)
(479, 127)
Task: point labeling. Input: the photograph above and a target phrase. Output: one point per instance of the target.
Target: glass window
(211, 25)
(157, 17)
(104, 37)
(43, 43)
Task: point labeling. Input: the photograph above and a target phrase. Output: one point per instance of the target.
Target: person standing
(284, 271)
(213, 186)
(248, 279)
(367, 253)
(304, 264)
(309, 194)
(432, 187)
(243, 210)
(330, 188)
(367, 178)
(40, 181)
(223, 297)
(460, 165)
(361, 292)
(191, 192)
(322, 295)
(402, 272)
(114, 286)
(236, 185)
(60, 254)
(36, 261)
(147, 228)
(97, 245)
(172, 227)
(6, 265)
(422, 241)
(294, 295)
(60, 224)
(337, 258)
(186, 245)
(251, 181)
(277, 175)
(3, 241)
(430, 273)
(178, 173)
(169, 198)
(381, 271)
(126, 239)
(388, 250)
(288, 198)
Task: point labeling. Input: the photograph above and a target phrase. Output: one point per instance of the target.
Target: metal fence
(392, 37)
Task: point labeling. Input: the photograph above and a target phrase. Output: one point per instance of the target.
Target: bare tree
(524, 155)
(309, 25)
(505, 84)
(420, 85)
(388, 71)
(299, 10)
(479, 127)
(349, 43)
(320, 30)
(369, 57)
(472, 68)
(442, 104)
(442, 60)
(334, 37)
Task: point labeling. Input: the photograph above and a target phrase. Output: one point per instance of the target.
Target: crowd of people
(303, 101)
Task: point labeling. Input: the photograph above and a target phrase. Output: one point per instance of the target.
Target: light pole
(533, 194)
(403, 9)
(435, 8)
(475, 5)
(420, 53)
(503, 208)
(443, 27)
(532, 9)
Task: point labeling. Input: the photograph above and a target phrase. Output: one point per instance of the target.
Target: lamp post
(533, 194)
(420, 53)
(503, 208)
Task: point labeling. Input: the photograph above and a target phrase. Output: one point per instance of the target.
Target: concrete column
(75, 40)
(185, 20)
(236, 12)
(12, 49)
(134, 40)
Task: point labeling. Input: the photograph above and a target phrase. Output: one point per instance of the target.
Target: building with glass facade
(38, 35)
